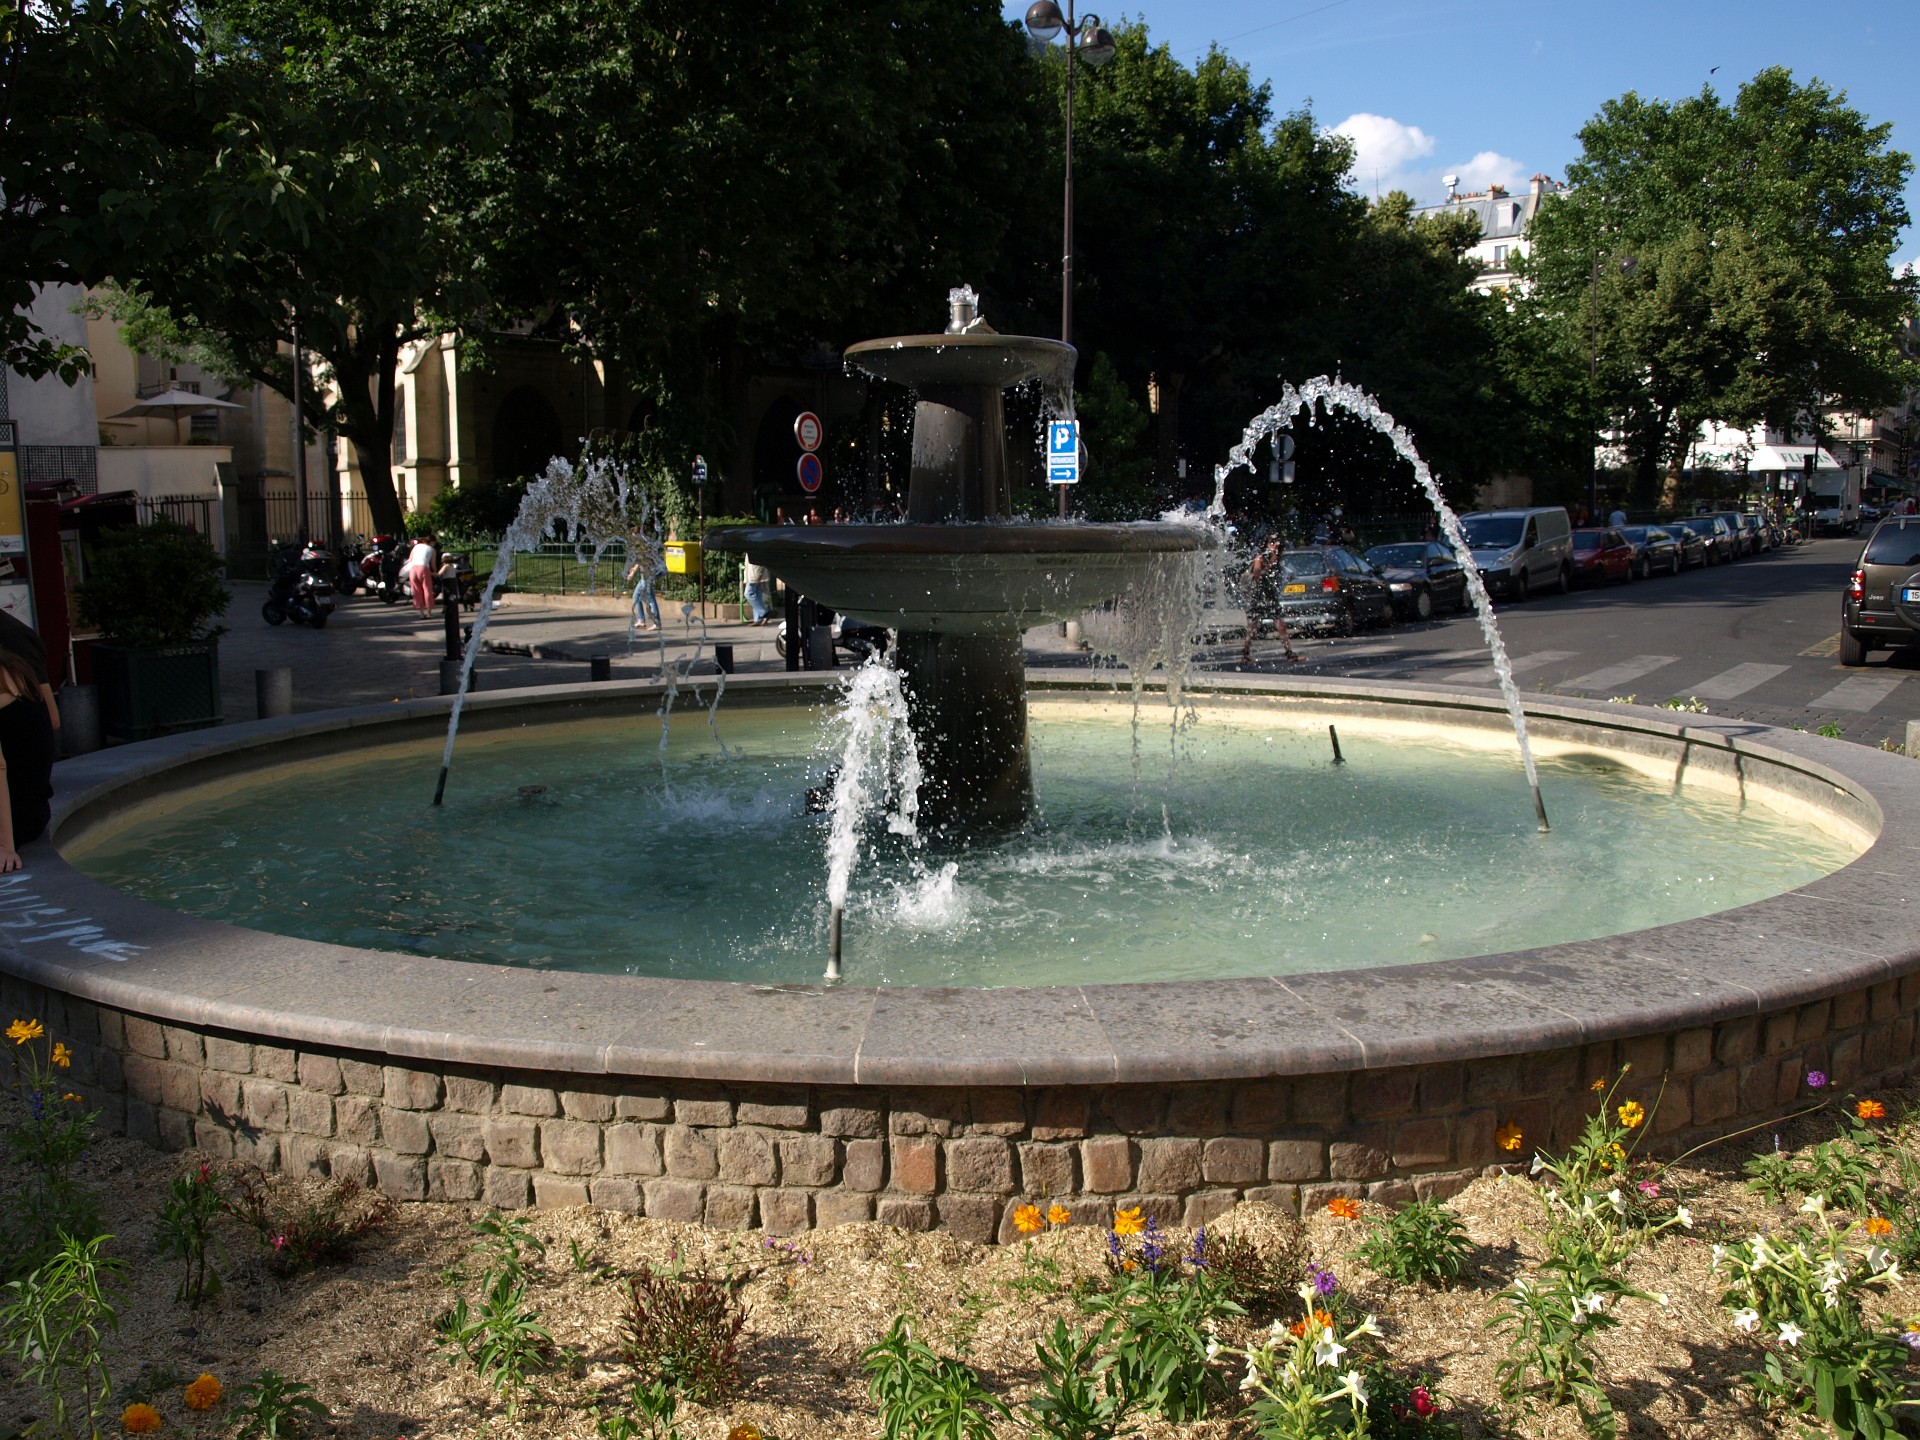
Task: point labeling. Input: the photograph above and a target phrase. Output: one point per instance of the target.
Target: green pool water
(1239, 850)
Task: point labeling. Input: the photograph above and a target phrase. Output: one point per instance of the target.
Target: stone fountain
(961, 580)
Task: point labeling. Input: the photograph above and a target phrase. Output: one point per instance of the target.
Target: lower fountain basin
(990, 578)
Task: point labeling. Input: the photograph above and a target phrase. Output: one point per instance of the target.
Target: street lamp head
(1096, 41)
(1044, 20)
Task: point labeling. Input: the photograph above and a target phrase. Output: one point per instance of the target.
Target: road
(1757, 639)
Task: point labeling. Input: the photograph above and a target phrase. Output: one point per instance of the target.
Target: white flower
(1369, 1326)
(1617, 1200)
(1596, 1302)
(1878, 1257)
(1213, 1350)
(1746, 1320)
(1890, 1272)
(1685, 1216)
(1327, 1351)
(1719, 1254)
(1761, 1253)
(1660, 1298)
(1539, 1163)
(1814, 1205)
(1275, 1331)
(1355, 1384)
(1792, 1334)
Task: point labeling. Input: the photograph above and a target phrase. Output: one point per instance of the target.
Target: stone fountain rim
(69, 933)
(1040, 539)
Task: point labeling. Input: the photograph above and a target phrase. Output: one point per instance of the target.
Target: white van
(1519, 552)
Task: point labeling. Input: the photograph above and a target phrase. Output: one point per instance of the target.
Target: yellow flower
(745, 1430)
(1509, 1137)
(1128, 1222)
(1870, 1110)
(1027, 1219)
(74, 1099)
(61, 1056)
(139, 1419)
(22, 1031)
(204, 1393)
(1597, 1086)
(1877, 1226)
(1631, 1114)
(1059, 1215)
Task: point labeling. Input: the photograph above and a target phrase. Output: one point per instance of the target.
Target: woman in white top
(422, 561)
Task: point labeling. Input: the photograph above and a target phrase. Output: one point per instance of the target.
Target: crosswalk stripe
(1858, 692)
(1519, 664)
(1824, 649)
(1737, 681)
(1612, 677)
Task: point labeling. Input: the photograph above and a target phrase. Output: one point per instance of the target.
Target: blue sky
(1495, 90)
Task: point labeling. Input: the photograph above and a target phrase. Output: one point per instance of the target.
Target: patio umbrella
(172, 404)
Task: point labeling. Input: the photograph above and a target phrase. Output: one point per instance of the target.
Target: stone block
(1474, 1143)
(971, 1217)
(915, 1164)
(611, 1193)
(176, 1128)
(1758, 1082)
(405, 1089)
(1314, 1198)
(676, 1200)
(1259, 1105)
(1442, 1089)
(534, 1100)
(361, 1077)
(143, 1079)
(641, 1107)
(512, 1141)
(1778, 1033)
(711, 1112)
(1883, 1000)
(1060, 1114)
(775, 1109)
(1692, 1051)
(633, 1150)
(180, 1088)
(905, 1212)
(1645, 1057)
(356, 1118)
(1550, 1073)
(143, 1123)
(586, 1105)
(506, 1189)
(1715, 1095)
(1443, 1185)
(837, 1207)
(863, 1165)
(1392, 1194)
(786, 1212)
(266, 1104)
(212, 1138)
(406, 1132)
(1134, 1109)
(306, 1156)
(1360, 1155)
(927, 1112)
(1296, 1161)
(452, 1180)
(1320, 1100)
(558, 1192)
(146, 1037)
(1047, 1170)
(731, 1207)
(254, 1148)
(1166, 1210)
(1492, 1082)
(309, 1113)
(1382, 1094)
(570, 1147)
(470, 1096)
(1811, 1022)
(1676, 1109)
(220, 1094)
(1287, 1197)
(807, 1160)
(1418, 1143)
(1106, 1162)
(1876, 1048)
(998, 1111)
(404, 1177)
(321, 1073)
(747, 1158)
(846, 1119)
(981, 1164)
(1169, 1167)
(1207, 1206)
(233, 1056)
(1198, 1109)
(689, 1154)
(458, 1137)
(1849, 1012)
(351, 1162)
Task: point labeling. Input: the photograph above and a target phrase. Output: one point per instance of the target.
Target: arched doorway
(526, 434)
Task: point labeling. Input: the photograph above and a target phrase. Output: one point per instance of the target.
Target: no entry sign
(809, 472)
(808, 431)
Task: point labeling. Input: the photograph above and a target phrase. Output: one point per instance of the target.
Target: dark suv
(1882, 603)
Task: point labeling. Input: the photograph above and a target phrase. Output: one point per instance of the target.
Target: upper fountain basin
(979, 358)
(961, 579)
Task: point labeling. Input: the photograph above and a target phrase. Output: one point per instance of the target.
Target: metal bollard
(599, 667)
(723, 657)
(273, 691)
(79, 719)
(820, 648)
(450, 677)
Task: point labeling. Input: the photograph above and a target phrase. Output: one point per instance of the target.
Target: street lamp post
(1091, 41)
(1628, 264)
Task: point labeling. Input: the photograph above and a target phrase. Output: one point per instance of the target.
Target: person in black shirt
(23, 640)
(26, 759)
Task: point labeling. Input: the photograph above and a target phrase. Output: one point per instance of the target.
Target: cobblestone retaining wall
(792, 1158)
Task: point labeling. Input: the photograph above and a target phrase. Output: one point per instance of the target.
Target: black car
(1758, 531)
(1881, 606)
(1715, 534)
(1746, 541)
(1422, 575)
(1655, 548)
(1331, 586)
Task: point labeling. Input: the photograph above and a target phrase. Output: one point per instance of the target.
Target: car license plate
(1910, 597)
(1293, 590)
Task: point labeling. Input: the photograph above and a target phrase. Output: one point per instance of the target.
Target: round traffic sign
(809, 472)
(808, 430)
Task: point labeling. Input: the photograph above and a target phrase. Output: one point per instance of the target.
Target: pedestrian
(1263, 601)
(641, 574)
(23, 640)
(755, 579)
(422, 561)
(26, 759)
(1617, 519)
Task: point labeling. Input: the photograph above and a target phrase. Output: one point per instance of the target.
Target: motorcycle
(299, 590)
(380, 569)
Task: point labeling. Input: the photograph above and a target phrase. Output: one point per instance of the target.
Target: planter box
(144, 693)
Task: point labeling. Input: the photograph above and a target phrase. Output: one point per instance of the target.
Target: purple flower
(1324, 1282)
(1816, 1079)
(1912, 1340)
(1197, 1258)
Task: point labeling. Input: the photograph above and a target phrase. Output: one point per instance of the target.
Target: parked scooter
(296, 592)
(380, 566)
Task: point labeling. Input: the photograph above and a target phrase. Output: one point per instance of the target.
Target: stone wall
(792, 1158)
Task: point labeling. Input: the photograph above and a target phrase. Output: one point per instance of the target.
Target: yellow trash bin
(683, 557)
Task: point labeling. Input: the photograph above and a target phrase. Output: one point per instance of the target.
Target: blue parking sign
(1063, 452)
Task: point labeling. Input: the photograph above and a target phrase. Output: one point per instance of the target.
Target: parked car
(1423, 575)
(1520, 551)
(1881, 606)
(1331, 586)
(1745, 542)
(1693, 545)
(1655, 548)
(1761, 532)
(1600, 556)
(1716, 537)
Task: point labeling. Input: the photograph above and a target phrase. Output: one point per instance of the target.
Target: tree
(1728, 263)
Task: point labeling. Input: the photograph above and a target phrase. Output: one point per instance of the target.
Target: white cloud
(1490, 167)
(1382, 146)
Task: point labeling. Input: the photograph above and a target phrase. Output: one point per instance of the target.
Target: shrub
(922, 1395)
(1163, 1329)
(55, 1328)
(684, 1329)
(476, 508)
(304, 1230)
(1420, 1243)
(154, 585)
(1293, 1377)
(183, 1231)
(1261, 1281)
(270, 1406)
(1082, 1394)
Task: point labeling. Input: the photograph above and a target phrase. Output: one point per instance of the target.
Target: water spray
(878, 768)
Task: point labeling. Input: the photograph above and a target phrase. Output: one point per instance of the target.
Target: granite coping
(1847, 930)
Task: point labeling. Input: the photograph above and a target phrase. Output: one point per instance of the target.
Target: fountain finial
(963, 308)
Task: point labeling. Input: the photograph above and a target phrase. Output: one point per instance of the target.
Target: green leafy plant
(1406, 1407)
(1831, 730)
(922, 1395)
(1081, 1394)
(684, 1329)
(1261, 1281)
(47, 1143)
(271, 1406)
(507, 1245)
(1692, 705)
(302, 1229)
(183, 1231)
(1163, 1328)
(650, 1414)
(154, 585)
(55, 1326)
(500, 1337)
(1294, 1381)
(1419, 1243)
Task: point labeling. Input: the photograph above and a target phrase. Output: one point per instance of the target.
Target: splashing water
(1325, 390)
(877, 766)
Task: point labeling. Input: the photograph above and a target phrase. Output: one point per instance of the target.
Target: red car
(1600, 556)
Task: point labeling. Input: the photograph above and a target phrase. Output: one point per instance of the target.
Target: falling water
(1324, 389)
(877, 765)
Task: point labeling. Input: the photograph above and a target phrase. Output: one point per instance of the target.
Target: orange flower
(76, 1099)
(1321, 1318)
(139, 1419)
(1059, 1215)
(1870, 1109)
(1508, 1137)
(1128, 1222)
(745, 1430)
(21, 1031)
(1631, 1115)
(1027, 1219)
(1878, 1227)
(61, 1056)
(204, 1393)
(1597, 1086)
(1344, 1208)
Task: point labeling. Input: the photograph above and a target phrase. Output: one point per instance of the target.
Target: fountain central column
(967, 702)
